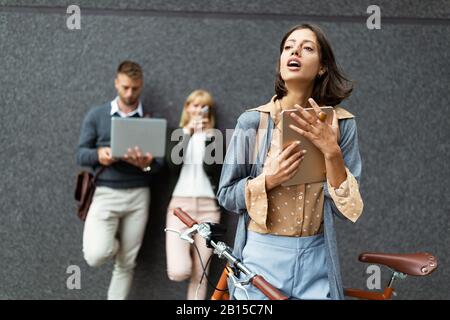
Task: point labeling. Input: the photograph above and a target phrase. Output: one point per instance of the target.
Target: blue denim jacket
(234, 176)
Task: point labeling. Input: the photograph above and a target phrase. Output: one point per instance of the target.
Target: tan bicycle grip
(265, 287)
(184, 217)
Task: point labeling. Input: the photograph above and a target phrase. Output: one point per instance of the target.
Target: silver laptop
(149, 134)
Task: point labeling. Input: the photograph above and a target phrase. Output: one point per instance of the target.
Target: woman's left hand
(323, 135)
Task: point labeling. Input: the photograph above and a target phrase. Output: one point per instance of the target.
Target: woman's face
(300, 60)
(194, 108)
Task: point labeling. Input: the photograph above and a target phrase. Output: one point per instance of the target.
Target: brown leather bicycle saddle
(415, 264)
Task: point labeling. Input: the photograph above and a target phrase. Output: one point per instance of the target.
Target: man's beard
(129, 102)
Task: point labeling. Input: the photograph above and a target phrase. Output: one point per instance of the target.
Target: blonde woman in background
(195, 189)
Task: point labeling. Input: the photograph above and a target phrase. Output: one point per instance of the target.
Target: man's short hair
(131, 69)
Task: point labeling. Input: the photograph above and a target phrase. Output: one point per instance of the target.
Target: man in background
(117, 217)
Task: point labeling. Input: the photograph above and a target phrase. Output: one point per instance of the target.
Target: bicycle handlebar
(258, 281)
(184, 217)
(265, 287)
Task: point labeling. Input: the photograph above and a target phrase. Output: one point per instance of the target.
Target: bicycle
(402, 265)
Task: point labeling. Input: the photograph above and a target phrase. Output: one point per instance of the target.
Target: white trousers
(115, 227)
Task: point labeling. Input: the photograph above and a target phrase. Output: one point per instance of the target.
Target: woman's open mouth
(294, 64)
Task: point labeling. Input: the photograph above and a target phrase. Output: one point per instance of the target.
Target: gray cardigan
(234, 176)
(95, 133)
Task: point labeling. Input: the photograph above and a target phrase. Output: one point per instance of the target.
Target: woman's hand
(284, 166)
(323, 135)
(197, 123)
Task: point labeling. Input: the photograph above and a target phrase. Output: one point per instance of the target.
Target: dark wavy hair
(330, 88)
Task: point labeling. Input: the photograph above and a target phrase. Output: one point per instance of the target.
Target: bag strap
(244, 219)
(94, 179)
(262, 128)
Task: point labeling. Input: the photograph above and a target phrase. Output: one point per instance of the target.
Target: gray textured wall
(50, 76)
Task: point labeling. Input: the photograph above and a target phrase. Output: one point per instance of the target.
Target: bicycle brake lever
(184, 235)
(239, 284)
(187, 234)
(246, 280)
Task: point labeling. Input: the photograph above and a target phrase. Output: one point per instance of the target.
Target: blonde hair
(203, 97)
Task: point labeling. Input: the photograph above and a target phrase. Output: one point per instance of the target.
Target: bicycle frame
(387, 293)
(419, 264)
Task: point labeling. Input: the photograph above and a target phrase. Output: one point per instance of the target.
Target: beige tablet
(312, 167)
